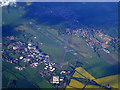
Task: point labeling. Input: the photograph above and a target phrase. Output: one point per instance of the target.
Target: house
(62, 72)
(52, 69)
(53, 63)
(24, 60)
(16, 67)
(44, 61)
(19, 68)
(61, 79)
(15, 47)
(26, 49)
(21, 57)
(29, 47)
(36, 64)
(45, 68)
(75, 53)
(35, 37)
(41, 58)
(46, 64)
(47, 56)
(28, 59)
(36, 51)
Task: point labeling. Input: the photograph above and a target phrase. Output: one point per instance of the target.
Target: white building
(52, 69)
(75, 53)
(35, 37)
(36, 64)
(62, 72)
(29, 44)
(21, 57)
(61, 79)
(56, 79)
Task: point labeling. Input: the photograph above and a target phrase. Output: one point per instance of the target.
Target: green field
(99, 68)
(55, 53)
(69, 57)
(27, 78)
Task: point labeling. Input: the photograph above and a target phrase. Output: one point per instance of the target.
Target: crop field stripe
(80, 74)
(77, 74)
(84, 73)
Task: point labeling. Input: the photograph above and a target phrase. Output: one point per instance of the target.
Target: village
(32, 56)
(94, 39)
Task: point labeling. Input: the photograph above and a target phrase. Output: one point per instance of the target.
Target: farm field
(84, 73)
(81, 73)
(76, 74)
(76, 84)
(112, 80)
(96, 64)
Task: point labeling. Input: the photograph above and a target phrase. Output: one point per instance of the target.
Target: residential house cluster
(11, 37)
(26, 53)
(91, 39)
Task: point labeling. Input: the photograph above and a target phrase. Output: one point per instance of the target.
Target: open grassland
(69, 56)
(84, 73)
(54, 52)
(111, 80)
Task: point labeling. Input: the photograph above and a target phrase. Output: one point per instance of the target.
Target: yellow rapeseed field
(76, 84)
(77, 75)
(68, 87)
(92, 86)
(71, 88)
(84, 73)
(111, 80)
